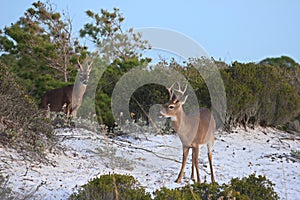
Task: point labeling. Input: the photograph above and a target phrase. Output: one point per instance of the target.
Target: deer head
(175, 103)
(84, 73)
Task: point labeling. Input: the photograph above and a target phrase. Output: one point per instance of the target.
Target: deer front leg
(74, 110)
(184, 158)
(211, 167)
(196, 153)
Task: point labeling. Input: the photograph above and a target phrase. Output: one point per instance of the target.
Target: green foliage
(195, 191)
(112, 186)
(255, 187)
(115, 186)
(106, 85)
(247, 188)
(259, 94)
(283, 62)
(106, 32)
(169, 194)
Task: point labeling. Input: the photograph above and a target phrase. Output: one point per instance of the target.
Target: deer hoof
(177, 181)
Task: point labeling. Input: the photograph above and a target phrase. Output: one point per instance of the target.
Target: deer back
(56, 98)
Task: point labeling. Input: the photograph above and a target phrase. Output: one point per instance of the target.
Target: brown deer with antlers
(193, 130)
(68, 98)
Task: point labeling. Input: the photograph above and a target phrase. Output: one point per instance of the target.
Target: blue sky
(229, 30)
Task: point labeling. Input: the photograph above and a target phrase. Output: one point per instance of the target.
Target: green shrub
(169, 194)
(259, 94)
(197, 191)
(112, 186)
(247, 188)
(255, 187)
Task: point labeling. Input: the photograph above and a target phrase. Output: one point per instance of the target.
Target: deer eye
(171, 107)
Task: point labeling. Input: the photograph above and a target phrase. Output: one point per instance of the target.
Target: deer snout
(163, 112)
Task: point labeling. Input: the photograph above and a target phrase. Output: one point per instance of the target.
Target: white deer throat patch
(173, 119)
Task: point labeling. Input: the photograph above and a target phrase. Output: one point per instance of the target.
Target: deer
(193, 129)
(68, 98)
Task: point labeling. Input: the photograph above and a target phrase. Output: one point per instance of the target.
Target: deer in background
(193, 130)
(68, 98)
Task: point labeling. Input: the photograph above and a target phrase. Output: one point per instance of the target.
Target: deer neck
(79, 89)
(179, 121)
(184, 127)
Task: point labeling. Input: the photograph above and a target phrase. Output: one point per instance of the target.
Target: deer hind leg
(196, 162)
(69, 110)
(184, 158)
(210, 163)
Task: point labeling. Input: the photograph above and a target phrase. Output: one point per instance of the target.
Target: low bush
(21, 123)
(247, 188)
(126, 187)
(199, 191)
(254, 187)
(112, 186)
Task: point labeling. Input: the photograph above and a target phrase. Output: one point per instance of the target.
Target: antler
(182, 92)
(174, 97)
(89, 67)
(179, 89)
(171, 93)
(79, 64)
